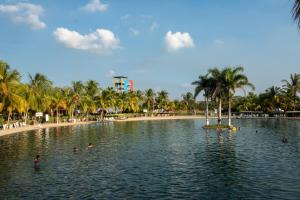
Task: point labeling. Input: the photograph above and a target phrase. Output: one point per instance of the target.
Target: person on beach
(36, 163)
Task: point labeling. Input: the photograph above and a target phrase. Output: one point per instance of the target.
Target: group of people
(36, 161)
(12, 125)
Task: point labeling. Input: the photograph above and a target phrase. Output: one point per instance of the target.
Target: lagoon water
(171, 159)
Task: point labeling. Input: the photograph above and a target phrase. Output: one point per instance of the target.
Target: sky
(159, 44)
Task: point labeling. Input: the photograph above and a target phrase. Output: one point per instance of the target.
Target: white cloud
(178, 40)
(110, 74)
(94, 6)
(101, 41)
(153, 26)
(26, 13)
(134, 32)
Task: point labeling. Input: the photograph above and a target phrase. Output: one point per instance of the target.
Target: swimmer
(256, 131)
(75, 149)
(90, 145)
(284, 140)
(36, 162)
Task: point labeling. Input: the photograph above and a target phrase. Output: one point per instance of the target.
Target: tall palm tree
(78, 91)
(39, 84)
(162, 99)
(296, 12)
(292, 87)
(217, 89)
(232, 79)
(9, 82)
(92, 88)
(205, 84)
(58, 101)
(133, 100)
(270, 99)
(188, 100)
(149, 99)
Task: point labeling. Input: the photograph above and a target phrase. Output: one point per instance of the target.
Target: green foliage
(87, 99)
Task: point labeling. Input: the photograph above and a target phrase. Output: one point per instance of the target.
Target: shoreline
(41, 126)
(131, 119)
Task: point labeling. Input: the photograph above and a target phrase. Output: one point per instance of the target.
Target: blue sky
(162, 44)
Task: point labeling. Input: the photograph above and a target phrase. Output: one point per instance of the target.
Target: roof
(120, 77)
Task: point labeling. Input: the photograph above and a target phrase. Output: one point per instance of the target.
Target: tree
(188, 101)
(292, 87)
(58, 101)
(205, 84)
(270, 99)
(149, 99)
(9, 82)
(162, 99)
(232, 79)
(39, 84)
(296, 12)
(217, 89)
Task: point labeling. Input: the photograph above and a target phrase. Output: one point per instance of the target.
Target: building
(122, 84)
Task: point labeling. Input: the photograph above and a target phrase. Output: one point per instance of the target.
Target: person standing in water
(36, 163)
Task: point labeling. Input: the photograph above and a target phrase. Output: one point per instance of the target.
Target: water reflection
(154, 159)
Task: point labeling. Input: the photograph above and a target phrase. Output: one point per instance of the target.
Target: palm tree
(78, 90)
(204, 83)
(162, 99)
(226, 81)
(232, 79)
(149, 99)
(188, 100)
(58, 101)
(133, 100)
(39, 84)
(92, 88)
(292, 87)
(296, 12)
(270, 99)
(9, 82)
(217, 89)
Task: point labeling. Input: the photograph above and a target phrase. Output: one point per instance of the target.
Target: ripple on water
(154, 159)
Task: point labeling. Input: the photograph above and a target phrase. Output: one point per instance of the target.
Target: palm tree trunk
(101, 115)
(206, 111)
(294, 102)
(8, 119)
(57, 115)
(229, 110)
(220, 111)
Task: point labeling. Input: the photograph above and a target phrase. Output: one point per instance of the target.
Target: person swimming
(75, 150)
(36, 163)
(90, 145)
(284, 140)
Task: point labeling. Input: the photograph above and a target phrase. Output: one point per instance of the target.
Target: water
(154, 159)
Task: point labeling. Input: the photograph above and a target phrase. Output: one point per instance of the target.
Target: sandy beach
(41, 126)
(35, 127)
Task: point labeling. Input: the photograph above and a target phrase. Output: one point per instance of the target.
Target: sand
(42, 126)
(49, 125)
